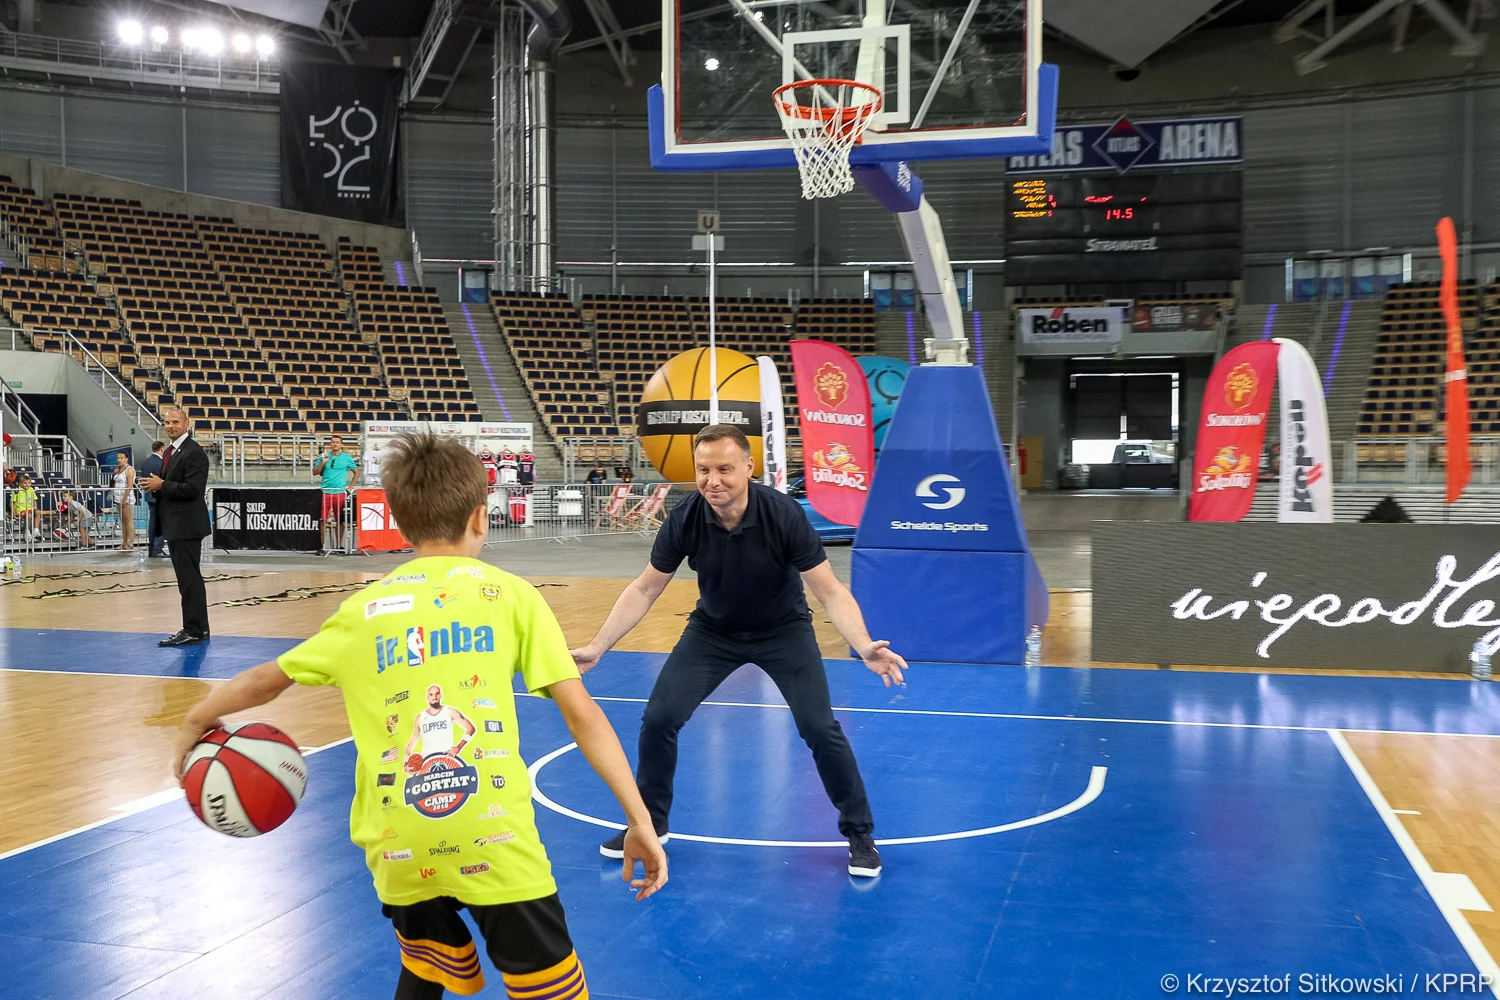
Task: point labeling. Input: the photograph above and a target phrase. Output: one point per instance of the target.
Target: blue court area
(1201, 823)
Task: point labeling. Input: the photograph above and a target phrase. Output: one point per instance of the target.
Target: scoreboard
(1152, 227)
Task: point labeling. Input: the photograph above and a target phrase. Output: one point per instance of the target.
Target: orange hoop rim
(814, 112)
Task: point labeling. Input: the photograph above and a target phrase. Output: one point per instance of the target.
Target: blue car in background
(826, 529)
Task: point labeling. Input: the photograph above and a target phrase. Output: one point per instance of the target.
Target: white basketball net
(825, 120)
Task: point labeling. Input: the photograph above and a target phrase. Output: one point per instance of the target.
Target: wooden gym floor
(89, 703)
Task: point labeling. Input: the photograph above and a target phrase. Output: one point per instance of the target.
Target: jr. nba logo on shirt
(416, 646)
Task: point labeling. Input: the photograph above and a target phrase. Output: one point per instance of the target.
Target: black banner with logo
(338, 141)
(1335, 596)
(1175, 317)
(267, 519)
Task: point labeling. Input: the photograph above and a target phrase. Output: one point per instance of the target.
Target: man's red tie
(166, 457)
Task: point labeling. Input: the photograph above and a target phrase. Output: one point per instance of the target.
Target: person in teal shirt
(340, 472)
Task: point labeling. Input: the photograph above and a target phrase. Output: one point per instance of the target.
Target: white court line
(1095, 787)
(1077, 718)
(885, 711)
(164, 797)
(1432, 881)
(111, 673)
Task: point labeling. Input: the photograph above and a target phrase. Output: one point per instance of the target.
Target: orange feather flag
(1457, 381)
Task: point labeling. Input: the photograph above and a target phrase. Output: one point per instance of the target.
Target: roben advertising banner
(1319, 596)
(1072, 325)
(838, 436)
(267, 519)
(1231, 433)
(1306, 456)
(338, 141)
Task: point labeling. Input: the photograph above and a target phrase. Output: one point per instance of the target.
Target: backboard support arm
(922, 232)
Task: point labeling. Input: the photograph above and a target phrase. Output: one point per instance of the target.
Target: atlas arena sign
(1064, 325)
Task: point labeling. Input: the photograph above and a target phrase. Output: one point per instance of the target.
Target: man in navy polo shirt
(752, 549)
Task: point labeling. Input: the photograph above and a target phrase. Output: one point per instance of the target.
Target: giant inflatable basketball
(674, 408)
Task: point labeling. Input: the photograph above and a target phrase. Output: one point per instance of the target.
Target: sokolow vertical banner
(772, 425)
(338, 141)
(1232, 431)
(1306, 465)
(838, 441)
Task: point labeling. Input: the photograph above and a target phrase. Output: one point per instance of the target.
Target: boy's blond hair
(433, 485)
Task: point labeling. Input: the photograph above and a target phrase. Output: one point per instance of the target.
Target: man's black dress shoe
(184, 638)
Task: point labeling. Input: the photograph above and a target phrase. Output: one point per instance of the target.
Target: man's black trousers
(789, 655)
(185, 553)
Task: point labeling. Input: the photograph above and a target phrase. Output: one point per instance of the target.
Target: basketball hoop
(822, 137)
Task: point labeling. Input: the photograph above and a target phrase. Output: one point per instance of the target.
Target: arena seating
(179, 315)
(412, 336)
(1404, 397)
(585, 390)
(1224, 299)
(46, 303)
(250, 330)
(839, 321)
(547, 339)
(30, 220)
(283, 286)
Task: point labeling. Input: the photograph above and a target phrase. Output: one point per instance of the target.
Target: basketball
(674, 408)
(886, 377)
(244, 779)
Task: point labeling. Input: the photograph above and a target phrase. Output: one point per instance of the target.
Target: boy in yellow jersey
(442, 798)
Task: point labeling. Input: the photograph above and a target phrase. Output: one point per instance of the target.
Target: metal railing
(15, 242)
(16, 407)
(55, 520)
(546, 512)
(576, 510)
(107, 380)
(137, 64)
(580, 454)
(240, 452)
(50, 453)
(416, 260)
(1414, 461)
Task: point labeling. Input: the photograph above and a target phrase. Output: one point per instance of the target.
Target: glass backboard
(958, 78)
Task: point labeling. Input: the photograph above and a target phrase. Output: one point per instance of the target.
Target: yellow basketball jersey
(425, 657)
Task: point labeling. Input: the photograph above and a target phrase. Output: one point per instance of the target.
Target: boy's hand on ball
(188, 735)
(414, 763)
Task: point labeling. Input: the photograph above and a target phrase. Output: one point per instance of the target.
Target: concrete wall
(48, 179)
(1042, 399)
(94, 420)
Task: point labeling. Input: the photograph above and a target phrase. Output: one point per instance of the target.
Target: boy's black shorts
(528, 942)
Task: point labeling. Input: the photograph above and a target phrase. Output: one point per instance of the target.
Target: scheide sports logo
(955, 494)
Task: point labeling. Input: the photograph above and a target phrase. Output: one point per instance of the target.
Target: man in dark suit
(152, 467)
(179, 489)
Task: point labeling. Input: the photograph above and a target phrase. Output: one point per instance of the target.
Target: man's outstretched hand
(879, 657)
(586, 658)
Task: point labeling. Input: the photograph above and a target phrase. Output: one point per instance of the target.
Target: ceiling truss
(1317, 21)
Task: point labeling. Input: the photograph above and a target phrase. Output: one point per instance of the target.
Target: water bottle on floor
(1034, 646)
(140, 558)
(15, 568)
(1479, 662)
